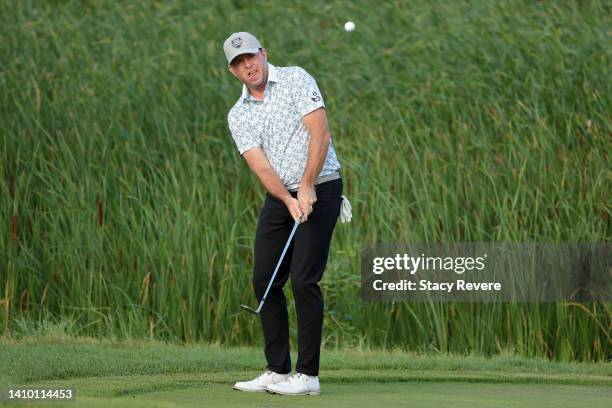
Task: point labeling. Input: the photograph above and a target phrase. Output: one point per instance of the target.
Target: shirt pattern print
(275, 124)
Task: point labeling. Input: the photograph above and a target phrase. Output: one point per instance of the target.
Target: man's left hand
(306, 197)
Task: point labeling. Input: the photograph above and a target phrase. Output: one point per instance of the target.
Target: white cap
(240, 43)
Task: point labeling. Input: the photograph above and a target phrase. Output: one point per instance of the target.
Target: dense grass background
(126, 211)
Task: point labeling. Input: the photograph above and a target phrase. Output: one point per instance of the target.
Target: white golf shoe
(297, 384)
(260, 383)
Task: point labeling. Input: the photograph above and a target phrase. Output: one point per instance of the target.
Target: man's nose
(249, 61)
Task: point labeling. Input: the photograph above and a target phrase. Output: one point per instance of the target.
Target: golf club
(263, 299)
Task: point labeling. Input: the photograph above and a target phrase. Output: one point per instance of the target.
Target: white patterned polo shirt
(275, 124)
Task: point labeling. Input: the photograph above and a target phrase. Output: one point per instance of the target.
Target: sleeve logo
(315, 97)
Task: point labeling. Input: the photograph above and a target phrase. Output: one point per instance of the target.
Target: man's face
(251, 69)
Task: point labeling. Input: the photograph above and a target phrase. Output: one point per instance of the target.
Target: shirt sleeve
(243, 138)
(306, 94)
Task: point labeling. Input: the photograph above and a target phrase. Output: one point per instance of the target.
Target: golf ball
(349, 26)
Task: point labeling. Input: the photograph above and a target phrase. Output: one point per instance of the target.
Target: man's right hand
(294, 209)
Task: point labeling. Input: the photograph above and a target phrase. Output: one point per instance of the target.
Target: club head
(248, 309)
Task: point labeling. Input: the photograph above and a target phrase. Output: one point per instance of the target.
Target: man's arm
(316, 123)
(259, 164)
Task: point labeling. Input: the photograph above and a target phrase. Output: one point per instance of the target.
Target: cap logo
(237, 42)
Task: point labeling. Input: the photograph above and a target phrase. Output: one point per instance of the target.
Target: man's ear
(264, 52)
(231, 69)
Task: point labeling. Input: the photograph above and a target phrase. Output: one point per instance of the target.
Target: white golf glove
(345, 210)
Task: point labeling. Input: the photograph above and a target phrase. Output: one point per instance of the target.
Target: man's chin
(255, 84)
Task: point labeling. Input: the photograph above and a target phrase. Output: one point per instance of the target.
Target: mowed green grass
(152, 374)
(195, 392)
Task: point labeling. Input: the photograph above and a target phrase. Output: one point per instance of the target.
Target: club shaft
(297, 222)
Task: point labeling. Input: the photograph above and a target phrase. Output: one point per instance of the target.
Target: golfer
(280, 127)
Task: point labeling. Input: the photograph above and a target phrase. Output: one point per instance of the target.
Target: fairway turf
(153, 374)
(196, 391)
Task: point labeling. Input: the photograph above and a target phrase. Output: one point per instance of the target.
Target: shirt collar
(272, 77)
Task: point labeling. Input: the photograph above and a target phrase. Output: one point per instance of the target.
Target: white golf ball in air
(349, 26)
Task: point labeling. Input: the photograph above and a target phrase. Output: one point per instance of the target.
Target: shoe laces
(295, 377)
(266, 373)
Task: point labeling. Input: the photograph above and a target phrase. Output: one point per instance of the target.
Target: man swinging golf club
(280, 127)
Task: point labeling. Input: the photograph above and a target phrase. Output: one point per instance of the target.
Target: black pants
(305, 261)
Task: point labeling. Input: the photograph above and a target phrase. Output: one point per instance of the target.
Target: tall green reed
(127, 210)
